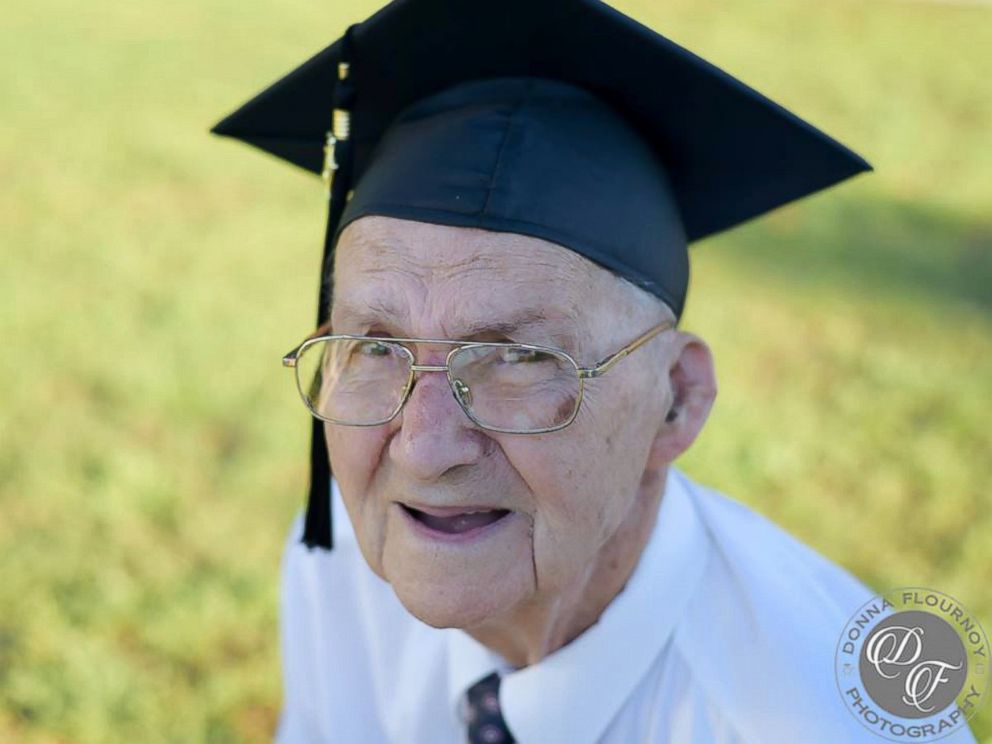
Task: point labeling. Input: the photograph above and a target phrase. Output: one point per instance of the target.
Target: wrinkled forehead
(388, 268)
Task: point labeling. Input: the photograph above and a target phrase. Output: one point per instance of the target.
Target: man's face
(567, 491)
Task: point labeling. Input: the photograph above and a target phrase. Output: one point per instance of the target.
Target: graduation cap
(561, 119)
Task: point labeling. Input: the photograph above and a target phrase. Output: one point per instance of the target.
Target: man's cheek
(356, 451)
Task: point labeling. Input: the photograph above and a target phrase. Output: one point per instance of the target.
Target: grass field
(152, 448)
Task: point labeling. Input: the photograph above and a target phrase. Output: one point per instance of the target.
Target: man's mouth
(456, 523)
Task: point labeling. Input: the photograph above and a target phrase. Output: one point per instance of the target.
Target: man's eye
(514, 356)
(373, 348)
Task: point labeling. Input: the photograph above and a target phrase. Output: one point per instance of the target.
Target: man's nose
(434, 434)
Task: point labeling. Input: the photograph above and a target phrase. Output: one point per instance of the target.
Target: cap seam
(502, 146)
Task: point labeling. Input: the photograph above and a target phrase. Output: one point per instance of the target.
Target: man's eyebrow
(375, 311)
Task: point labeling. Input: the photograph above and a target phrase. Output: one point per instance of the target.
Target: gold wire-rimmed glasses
(504, 386)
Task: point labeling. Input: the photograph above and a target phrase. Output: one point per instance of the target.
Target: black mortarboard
(561, 119)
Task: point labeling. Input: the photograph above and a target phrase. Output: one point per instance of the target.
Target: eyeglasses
(502, 386)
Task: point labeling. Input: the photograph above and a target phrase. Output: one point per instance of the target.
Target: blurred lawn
(152, 448)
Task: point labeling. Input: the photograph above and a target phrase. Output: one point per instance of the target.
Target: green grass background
(152, 448)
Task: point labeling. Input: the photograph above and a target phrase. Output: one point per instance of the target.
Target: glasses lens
(353, 381)
(513, 387)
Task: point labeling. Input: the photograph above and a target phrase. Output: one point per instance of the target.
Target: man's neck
(533, 631)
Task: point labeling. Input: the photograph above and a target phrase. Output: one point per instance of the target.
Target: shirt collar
(573, 693)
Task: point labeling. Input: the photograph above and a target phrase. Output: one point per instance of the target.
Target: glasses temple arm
(604, 366)
(289, 358)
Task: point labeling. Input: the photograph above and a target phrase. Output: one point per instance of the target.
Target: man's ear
(692, 380)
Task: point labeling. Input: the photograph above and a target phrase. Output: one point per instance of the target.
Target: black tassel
(318, 531)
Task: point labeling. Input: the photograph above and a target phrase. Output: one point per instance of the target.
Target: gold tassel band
(340, 130)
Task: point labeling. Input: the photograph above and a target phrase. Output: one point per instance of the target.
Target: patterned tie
(485, 722)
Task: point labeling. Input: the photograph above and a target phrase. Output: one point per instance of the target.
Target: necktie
(485, 722)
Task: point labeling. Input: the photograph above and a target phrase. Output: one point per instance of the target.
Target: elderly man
(515, 558)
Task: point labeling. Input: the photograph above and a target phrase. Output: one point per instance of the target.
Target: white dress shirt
(725, 633)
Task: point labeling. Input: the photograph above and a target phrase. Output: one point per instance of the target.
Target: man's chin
(453, 608)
